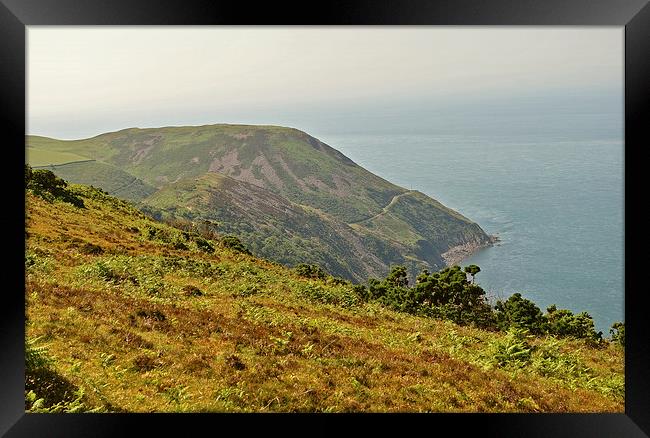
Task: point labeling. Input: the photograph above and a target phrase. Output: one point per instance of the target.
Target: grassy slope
(45, 157)
(259, 338)
(287, 163)
(274, 228)
(110, 178)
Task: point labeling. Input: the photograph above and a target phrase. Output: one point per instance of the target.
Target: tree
(310, 271)
(618, 333)
(48, 186)
(397, 277)
(519, 312)
(472, 270)
(563, 322)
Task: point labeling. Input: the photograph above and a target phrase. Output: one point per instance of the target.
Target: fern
(37, 405)
(36, 356)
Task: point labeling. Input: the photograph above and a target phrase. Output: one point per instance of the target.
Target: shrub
(310, 271)
(48, 186)
(338, 281)
(549, 361)
(203, 245)
(235, 244)
(150, 232)
(361, 291)
(180, 245)
(192, 291)
(618, 333)
(33, 404)
(62, 396)
(563, 322)
(90, 248)
(36, 356)
(342, 296)
(512, 350)
(248, 290)
(519, 312)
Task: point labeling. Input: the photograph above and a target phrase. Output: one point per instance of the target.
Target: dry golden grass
(138, 337)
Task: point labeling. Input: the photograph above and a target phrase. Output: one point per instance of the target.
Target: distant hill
(287, 195)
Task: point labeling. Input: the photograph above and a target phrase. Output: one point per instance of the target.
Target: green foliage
(203, 245)
(34, 404)
(513, 350)
(48, 186)
(310, 271)
(563, 322)
(397, 277)
(235, 244)
(38, 263)
(361, 291)
(446, 294)
(618, 333)
(342, 296)
(28, 175)
(192, 291)
(38, 373)
(36, 356)
(321, 347)
(550, 361)
(519, 312)
(472, 270)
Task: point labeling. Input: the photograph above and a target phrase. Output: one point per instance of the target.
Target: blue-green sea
(556, 202)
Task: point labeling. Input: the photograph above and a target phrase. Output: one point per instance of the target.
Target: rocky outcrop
(458, 253)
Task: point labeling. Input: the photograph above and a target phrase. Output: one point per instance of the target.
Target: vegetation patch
(132, 330)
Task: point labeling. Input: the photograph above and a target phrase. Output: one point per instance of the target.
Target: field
(36, 157)
(145, 317)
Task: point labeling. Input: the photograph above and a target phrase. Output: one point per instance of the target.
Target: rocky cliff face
(287, 195)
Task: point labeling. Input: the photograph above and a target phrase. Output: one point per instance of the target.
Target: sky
(83, 81)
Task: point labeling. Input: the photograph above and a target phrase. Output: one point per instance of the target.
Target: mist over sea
(550, 187)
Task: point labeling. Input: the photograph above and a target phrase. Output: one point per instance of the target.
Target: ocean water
(556, 203)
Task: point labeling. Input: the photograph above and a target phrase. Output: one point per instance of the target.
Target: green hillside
(110, 178)
(359, 223)
(126, 314)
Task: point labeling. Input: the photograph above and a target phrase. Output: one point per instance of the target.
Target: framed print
(418, 213)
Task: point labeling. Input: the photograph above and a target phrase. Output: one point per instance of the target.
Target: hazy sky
(83, 81)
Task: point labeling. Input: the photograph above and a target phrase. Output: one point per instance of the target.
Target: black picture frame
(15, 15)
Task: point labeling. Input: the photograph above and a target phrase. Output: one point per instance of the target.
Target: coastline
(458, 253)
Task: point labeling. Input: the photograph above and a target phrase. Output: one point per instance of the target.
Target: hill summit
(287, 195)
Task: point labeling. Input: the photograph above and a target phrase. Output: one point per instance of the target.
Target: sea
(555, 201)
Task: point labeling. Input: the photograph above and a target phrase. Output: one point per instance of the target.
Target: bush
(36, 356)
(310, 271)
(91, 249)
(204, 245)
(48, 186)
(343, 296)
(511, 351)
(618, 333)
(361, 291)
(33, 404)
(519, 312)
(446, 294)
(145, 362)
(192, 291)
(549, 361)
(563, 322)
(235, 244)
